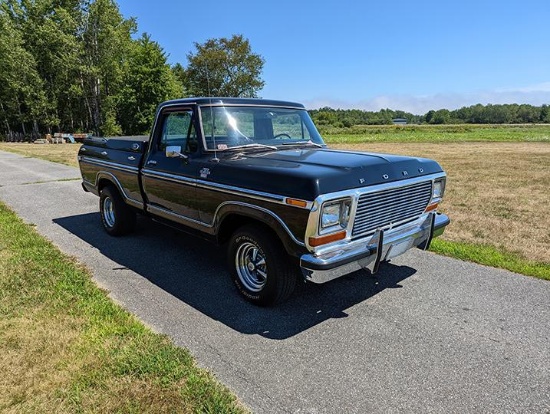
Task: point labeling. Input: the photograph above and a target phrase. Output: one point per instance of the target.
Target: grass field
(497, 190)
(65, 347)
(438, 133)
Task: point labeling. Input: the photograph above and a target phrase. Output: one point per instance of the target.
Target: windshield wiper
(251, 146)
(309, 142)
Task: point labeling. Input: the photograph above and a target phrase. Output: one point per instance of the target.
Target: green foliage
(107, 44)
(346, 118)
(148, 80)
(22, 95)
(327, 118)
(225, 67)
(72, 66)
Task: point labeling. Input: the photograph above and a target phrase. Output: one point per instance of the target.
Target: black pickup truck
(255, 175)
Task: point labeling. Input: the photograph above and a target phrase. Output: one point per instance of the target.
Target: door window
(178, 130)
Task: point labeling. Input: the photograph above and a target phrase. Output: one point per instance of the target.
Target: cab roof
(205, 101)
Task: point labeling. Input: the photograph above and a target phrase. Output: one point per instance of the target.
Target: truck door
(169, 180)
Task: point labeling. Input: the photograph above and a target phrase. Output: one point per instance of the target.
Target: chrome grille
(387, 207)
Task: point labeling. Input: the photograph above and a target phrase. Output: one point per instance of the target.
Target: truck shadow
(195, 272)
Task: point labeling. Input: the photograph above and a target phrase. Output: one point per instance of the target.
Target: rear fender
(105, 178)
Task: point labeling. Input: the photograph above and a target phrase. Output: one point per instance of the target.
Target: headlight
(438, 190)
(335, 215)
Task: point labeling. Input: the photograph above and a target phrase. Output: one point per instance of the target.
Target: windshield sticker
(222, 146)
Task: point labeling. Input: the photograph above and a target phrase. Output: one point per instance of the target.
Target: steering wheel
(282, 135)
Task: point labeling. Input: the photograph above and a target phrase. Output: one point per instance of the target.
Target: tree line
(78, 66)
(475, 114)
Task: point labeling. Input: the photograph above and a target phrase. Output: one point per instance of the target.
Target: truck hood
(307, 173)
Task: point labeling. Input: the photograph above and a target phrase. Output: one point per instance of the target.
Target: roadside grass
(490, 256)
(65, 347)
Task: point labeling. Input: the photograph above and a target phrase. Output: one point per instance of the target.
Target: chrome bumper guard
(383, 245)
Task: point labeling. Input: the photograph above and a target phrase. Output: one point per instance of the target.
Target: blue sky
(410, 55)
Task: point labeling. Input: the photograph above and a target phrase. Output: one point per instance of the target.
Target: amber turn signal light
(296, 202)
(318, 241)
(431, 207)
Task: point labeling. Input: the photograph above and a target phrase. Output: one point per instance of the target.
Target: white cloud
(534, 94)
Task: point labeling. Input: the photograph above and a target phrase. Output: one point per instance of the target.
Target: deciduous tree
(225, 67)
(148, 80)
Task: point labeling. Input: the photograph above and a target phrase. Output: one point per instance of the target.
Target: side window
(178, 130)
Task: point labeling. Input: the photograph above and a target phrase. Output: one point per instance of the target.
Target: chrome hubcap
(251, 267)
(108, 212)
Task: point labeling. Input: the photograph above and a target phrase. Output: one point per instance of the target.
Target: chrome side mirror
(174, 151)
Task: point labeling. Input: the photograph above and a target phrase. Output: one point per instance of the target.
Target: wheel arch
(104, 179)
(232, 216)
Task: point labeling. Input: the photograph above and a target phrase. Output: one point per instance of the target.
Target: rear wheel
(259, 266)
(117, 217)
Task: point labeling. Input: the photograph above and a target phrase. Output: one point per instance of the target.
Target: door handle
(152, 162)
(132, 158)
(104, 153)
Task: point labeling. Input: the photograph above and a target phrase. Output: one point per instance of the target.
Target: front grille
(387, 207)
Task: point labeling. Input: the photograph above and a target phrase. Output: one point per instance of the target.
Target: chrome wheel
(108, 212)
(251, 266)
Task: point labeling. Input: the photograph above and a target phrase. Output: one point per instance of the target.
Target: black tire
(117, 217)
(260, 266)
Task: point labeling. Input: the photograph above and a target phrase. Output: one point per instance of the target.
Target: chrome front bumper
(368, 253)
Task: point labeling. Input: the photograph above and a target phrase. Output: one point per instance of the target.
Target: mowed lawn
(497, 191)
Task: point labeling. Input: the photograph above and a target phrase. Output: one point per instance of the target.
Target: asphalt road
(428, 334)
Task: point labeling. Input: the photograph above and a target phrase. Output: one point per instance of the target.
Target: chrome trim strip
(110, 164)
(169, 177)
(185, 220)
(222, 104)
(241, 191)
(170, 215)
(259, 195)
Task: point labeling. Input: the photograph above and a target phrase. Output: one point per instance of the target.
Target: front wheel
(116, 216)
(259, 266)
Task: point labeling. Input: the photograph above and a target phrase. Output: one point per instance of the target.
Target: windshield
(226, 127)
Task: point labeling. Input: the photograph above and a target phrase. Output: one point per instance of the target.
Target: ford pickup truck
(255, 175)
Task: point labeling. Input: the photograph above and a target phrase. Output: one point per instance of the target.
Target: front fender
(232, 214)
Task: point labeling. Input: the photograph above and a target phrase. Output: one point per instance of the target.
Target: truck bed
(119, 156)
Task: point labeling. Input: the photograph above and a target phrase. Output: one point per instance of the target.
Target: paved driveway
(428, 334)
